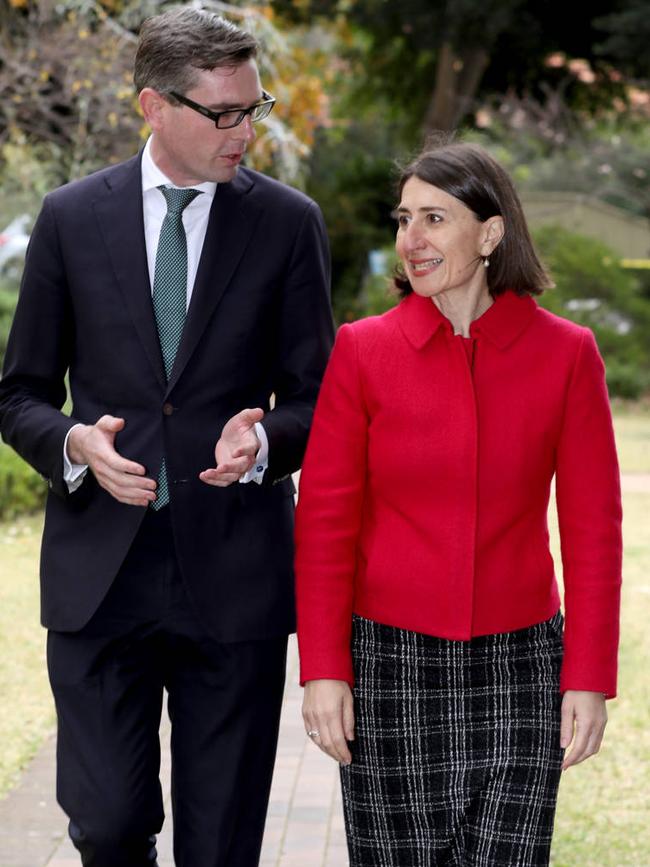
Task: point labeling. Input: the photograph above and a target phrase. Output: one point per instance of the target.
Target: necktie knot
(177, 199)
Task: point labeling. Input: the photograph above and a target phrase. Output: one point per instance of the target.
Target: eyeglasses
(231, 117)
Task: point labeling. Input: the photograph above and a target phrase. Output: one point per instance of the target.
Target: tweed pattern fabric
(170, 293)
(456, 758)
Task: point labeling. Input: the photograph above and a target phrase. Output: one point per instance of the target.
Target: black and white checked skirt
(456, 759)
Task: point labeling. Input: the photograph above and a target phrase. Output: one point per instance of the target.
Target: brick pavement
(304, 826)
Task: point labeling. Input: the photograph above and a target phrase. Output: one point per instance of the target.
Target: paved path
(304, 826)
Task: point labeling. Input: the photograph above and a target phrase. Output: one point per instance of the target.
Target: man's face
(188, 147)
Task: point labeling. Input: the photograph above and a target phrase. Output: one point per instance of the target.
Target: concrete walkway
(304, 827)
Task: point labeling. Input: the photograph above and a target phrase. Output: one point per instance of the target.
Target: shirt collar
(502, 322)
(152, 177)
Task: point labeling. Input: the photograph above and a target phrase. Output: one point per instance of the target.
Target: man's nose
(246, 130)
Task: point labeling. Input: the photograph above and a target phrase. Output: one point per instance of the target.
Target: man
(159, 570)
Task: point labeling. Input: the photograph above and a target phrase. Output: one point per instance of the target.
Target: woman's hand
(327, 710)
(584, 718)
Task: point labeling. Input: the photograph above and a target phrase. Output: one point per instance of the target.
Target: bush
(594, 290)
(8, 298)
(22, 490)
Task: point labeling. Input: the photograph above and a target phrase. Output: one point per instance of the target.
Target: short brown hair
(468, 173)
(174, 45)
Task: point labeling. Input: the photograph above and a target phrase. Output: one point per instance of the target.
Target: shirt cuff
(73, 474)
(256, 472)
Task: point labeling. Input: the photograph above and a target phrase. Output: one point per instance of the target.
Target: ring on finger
(313, 733)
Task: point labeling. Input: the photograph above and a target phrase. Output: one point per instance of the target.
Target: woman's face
(439, 240)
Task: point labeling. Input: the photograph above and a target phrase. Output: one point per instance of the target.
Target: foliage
(628, 32)
(594, 290)
(22, 490)
(546, 146)
(66, 78)
(8, 300)
(351, 178)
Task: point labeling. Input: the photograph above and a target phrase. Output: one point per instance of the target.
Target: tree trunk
(458, 75)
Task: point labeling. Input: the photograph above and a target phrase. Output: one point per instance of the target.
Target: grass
(26, 709)
(603, 808)
(602, 818)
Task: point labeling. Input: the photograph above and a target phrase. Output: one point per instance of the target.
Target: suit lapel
(232, 219)
(121, 220)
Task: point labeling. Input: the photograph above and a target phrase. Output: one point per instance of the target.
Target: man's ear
(153, 106)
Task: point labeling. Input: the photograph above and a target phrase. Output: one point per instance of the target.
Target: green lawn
(602, 818)
(26, 709)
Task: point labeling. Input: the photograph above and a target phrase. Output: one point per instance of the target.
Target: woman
(428, 612)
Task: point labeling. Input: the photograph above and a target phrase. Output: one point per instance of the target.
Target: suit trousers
(224, 702)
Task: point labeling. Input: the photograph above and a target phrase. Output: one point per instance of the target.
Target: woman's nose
(413, 238)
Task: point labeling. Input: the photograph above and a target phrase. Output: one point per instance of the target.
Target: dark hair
(468, 173)
(174, 45)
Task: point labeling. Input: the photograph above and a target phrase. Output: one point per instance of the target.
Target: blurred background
(560, 95)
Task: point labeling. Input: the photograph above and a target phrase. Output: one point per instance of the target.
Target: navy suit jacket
(259, 325)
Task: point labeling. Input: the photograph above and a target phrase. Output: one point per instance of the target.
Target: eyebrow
(400, 209)
(231, 106)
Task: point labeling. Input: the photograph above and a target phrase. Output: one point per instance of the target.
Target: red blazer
(425, 487)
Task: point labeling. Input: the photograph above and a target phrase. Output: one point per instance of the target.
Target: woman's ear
(494, 229)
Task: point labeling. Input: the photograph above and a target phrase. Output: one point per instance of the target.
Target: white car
(13, 242)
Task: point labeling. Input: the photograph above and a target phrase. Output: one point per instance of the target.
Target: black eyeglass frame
(215, 116)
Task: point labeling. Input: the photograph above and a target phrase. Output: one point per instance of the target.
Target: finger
(233, 468)
(348, 717)
(107, 459)
(236, 464)
(578, 749)
(219, 479)
(247, 450)
(314, 723)
(110, 423)
(132, 495)
(333, 741)
(121, 480)
(566, 724)
(249, 417)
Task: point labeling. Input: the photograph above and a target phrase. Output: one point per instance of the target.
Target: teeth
(422, 266)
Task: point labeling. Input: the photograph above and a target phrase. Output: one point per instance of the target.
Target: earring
(486, 261)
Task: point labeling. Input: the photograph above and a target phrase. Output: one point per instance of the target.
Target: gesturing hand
(235, 450)
(328, 713)
(584, 718)
(94, 445)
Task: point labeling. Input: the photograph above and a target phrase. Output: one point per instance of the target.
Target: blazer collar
(501, 324)
(233, 216)
(118, 208)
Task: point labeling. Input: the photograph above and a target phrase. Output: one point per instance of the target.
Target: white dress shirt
(195, 222)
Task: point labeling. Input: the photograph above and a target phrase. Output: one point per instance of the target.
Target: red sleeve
(589, 511)
(328, 518)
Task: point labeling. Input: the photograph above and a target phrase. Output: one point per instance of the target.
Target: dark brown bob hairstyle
(469, 174)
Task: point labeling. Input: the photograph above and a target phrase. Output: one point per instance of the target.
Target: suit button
(168, 409)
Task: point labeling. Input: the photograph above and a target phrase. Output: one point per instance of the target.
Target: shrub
(594, 290)
(22, 490)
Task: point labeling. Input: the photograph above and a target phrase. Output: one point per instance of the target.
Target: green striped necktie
(170, 294)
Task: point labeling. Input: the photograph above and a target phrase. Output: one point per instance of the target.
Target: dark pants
(224, 705)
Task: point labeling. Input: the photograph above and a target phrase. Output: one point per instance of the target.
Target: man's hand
(584, 718)
(328, 712)
(94, 445)
(236, 449)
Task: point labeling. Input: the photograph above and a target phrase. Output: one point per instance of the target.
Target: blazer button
(168, 409)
